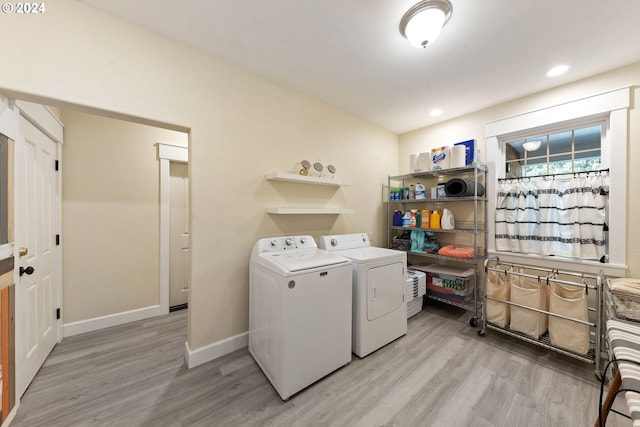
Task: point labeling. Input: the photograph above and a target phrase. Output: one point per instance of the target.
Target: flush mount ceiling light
(422, 24)
(531, 145)
(557, 70)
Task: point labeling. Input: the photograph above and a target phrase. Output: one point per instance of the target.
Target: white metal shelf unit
(475, 229)
(311, 180)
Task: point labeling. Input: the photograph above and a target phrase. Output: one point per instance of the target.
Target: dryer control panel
(344, 241)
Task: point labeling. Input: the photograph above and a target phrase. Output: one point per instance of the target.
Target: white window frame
(603, 122)
(612, 107)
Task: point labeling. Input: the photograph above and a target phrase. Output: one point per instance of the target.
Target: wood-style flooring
(440, 374)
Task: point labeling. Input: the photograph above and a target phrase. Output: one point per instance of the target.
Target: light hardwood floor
(440, 374)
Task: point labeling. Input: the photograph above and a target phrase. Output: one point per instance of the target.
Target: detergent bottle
(424, 220)
(447, 221)
(420, 192)
(397, 218)
(413, 222)
(406, 219)
(434, 221)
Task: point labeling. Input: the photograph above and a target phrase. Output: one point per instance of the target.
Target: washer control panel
(286, 243)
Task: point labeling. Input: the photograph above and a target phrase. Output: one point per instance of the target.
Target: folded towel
(452, 251)
(625, 285)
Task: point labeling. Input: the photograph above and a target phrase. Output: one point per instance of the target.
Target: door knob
(23, 251)
(28, 271)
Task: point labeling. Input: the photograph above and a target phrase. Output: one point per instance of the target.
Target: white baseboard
(107, 321)
(214, 350)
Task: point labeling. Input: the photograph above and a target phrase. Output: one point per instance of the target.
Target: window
(573, 121)
(559, 152)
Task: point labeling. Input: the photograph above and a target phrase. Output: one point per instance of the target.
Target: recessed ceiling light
(556, 71)
(435, 112)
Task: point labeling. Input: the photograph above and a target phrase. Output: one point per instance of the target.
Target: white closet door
(179, 254)
(36, 197)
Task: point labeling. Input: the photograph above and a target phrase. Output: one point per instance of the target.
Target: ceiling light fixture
(422, 24)
(435, 112)
(531, 145)
(556, 71)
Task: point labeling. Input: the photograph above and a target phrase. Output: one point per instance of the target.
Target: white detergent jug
(406, 219)
(447, 221)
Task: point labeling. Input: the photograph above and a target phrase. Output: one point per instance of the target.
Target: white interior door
(36, 199)
(179, 234)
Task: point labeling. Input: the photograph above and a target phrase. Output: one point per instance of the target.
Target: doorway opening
(175, 255)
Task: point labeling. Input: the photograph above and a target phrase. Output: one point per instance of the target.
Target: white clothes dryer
(299, 311)
(379, 281)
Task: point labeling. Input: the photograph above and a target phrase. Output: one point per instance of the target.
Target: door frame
(166, 154)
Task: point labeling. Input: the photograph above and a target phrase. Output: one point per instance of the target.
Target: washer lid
(299, 260)
(371, 253)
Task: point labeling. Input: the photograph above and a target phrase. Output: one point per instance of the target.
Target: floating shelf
(309, 211)
(290, 177)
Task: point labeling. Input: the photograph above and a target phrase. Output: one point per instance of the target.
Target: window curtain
(549, 216)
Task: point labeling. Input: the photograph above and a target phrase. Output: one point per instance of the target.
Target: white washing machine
(299, 311)
(379, 281)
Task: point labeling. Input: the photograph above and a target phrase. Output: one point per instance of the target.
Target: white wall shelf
(290, 177)
(309, 211)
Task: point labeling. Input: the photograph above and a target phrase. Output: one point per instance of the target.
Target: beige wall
(110, 214)
(240, 126)
(472, 126)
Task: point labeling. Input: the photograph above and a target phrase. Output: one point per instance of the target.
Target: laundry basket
(569, 302)
(498, 286)
(532, 293)
(625, 295)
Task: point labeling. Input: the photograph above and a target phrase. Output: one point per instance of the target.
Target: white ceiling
(350, 54)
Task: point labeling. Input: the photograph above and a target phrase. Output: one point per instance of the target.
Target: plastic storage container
(449, 283)
(414, 291)
(401, 244)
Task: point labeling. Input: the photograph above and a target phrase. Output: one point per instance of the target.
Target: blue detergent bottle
(397, 218)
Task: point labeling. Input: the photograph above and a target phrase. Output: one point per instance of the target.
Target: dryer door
(385, 289)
